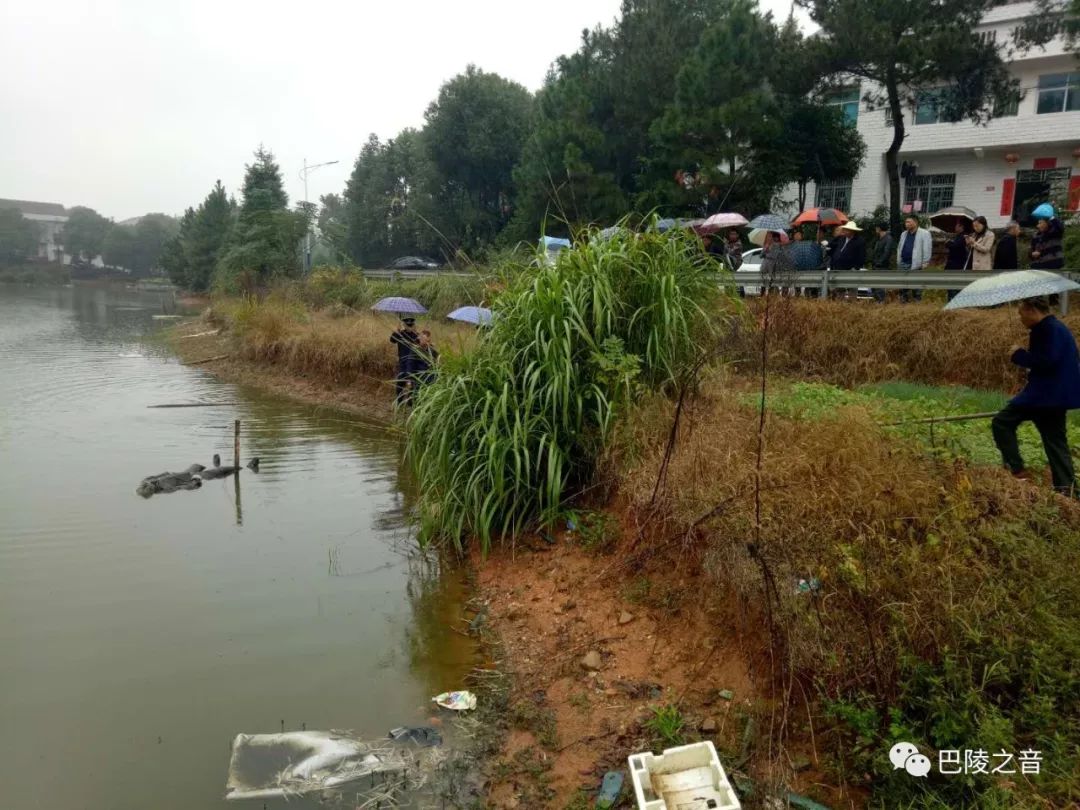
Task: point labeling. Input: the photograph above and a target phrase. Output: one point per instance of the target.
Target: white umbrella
(1012, 286)
(757, 236)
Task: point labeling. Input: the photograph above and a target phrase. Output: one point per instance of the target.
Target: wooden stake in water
(236, 445)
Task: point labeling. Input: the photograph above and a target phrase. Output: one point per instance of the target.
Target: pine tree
(174, 259)
(263, 188)
(209, 231)
(265, 242)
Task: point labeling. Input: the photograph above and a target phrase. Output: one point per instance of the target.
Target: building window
(928, 107)
(986, 37)
(1059, 92)
(934, 190)
(1006, 109)
(847, 101)
(834, 194)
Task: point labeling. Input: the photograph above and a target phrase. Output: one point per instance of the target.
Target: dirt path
(592, 654)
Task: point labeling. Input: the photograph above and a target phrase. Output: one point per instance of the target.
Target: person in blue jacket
(1053, 388)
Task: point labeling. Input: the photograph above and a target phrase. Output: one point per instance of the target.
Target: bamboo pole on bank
(236, 445)
(932, 419)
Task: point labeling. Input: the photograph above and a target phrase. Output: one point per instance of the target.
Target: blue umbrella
(805, 255)
(1012, 286)
(401, 306)
(770, 222)
(1044, 211)
(481, 316)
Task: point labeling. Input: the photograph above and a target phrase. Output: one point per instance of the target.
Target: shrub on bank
(337, 347)
(512, 430)
(35, 274)
(943, 607)
(440, 293)
(848, 343)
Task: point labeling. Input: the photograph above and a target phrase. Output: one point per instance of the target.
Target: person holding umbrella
(957, 252)
(421, 364)
(733, 249)
(805, 256)
(407, 341)
(1053, 388)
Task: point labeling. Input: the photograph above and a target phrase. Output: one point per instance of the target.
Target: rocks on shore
(592, 661)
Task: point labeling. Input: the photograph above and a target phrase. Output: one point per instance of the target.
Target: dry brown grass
(848, 343)
(925, 568)
(334, 345)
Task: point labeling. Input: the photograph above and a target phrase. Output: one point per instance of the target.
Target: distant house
(50, 218)
(1027, 154)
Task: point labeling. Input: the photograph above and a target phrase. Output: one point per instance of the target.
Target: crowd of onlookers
(973, 245)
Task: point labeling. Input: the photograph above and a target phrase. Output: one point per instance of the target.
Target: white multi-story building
(50, 219)
(1024, 156)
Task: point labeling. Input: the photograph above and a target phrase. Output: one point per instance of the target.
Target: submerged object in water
(295, 763)
(170, 481)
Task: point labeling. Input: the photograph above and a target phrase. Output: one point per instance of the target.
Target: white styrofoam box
(689, 777)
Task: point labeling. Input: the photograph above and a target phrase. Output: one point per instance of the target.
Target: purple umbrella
(401, 306)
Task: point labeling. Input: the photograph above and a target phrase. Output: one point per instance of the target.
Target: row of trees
(87, 235)
(447, 187)
(683, 107)
(136, 247)
(239, 246)
(18, 237)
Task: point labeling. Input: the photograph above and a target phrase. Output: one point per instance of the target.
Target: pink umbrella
(725, 220)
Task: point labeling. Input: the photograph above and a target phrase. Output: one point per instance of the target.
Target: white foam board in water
(689, 777)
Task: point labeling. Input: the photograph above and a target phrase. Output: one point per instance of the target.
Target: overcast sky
(131, 106)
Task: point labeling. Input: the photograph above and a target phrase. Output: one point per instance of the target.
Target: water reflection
(140, 636)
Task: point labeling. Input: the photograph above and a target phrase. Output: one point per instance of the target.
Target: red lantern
(1012, 158)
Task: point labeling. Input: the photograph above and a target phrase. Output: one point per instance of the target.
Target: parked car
(751, 263)
(413, 263)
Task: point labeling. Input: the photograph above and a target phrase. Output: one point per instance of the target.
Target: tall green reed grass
(514, 429)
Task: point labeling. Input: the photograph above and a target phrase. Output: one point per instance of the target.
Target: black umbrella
(946, 218)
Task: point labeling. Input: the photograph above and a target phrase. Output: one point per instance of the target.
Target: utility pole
(307, 233)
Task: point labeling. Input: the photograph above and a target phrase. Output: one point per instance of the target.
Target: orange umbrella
(821, 216)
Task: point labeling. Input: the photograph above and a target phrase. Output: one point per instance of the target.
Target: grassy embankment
(945, 608)
(947, 611)
(319, 340)
(38, 274)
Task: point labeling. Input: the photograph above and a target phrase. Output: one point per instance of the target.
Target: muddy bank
(606, 661)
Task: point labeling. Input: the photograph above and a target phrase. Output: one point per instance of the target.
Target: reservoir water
(138, 637)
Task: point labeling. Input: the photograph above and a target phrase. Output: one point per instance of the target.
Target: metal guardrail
(826, 280)
(412, 275)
